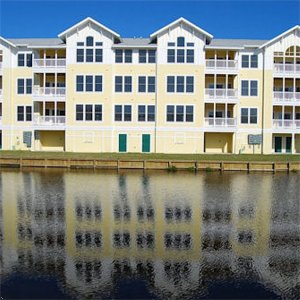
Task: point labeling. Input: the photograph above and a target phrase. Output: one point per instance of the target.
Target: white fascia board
(134, 47)
(223, 47)
(7, 42)
(86, 20)
(153, 35)
(48, 47)
(297, 27)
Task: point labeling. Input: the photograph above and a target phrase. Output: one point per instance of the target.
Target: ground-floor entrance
(218, 142)
(286, 143)
(146, 143)
(122, 142)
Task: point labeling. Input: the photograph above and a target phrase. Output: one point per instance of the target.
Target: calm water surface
(78, 234)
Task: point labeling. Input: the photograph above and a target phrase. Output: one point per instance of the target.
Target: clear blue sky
(224, 19)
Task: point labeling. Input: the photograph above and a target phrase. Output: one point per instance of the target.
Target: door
(278, 144)
(122, 142)
(146, 143)
(288, 144)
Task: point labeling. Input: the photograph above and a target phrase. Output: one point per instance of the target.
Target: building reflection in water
(178, 232)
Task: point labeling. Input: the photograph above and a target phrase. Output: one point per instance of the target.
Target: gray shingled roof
(235, 43)
(37, 42)
(135, 42)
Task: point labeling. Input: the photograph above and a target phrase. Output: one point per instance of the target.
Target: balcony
(221, 95)
(48, 64)
(286, 97)
(289, 69)
(221, 64)
(49, 122)
(49, 92)
(286, 124)
(221, 123)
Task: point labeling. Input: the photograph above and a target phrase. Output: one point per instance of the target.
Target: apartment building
(178, 91)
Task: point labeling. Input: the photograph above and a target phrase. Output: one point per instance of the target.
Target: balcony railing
(221, 64)
(286, 124)
(286, 96)
(220, 122)
(49, 91)
(49, 120)
(287, 68)
(0, 92)
(0, 64)
(221, 93)
(49, 63)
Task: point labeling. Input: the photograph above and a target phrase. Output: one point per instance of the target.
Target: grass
(150, 156)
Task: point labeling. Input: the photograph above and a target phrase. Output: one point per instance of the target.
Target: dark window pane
(90, 41)
(28, 86)
(142, 56)
(151, 56)
(98, 112)
(89, 83)
(151, 113)
(179, 113)
(180, 56)
(180, 41)
(244, 115)
(189, 84)
(118, 84)
(89, 112)
(89, 55)
(170, 84)
(170, 113)
(151, 84)
(142, 84)
(99, 55)
(254, 61)
(79, 83)
(245, 61)
(141, 113)
(127, 112)
(128, 56)
(28, 113)
(190, 56)
(119, 56)
(80, 55)
(98, 83)
(20, 113)
(21, 86)
(253, 116)
(29, 60)
(118, 112)
(128, 80)
(245, 91)
(180, 84)
(79, 112)
(189, 113)
(253, 88)
(21, 60)
(171, 55)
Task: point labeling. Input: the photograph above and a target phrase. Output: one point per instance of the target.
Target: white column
(293, 116)
(44, 57)
(282, 116)
(44, 108)
(215, 59)
(214, 113)
(293, 143)
(55, 63)
(283, 88)
(215, 84)
(55, 112)
(226, 59)
(226, 108)
(226, 85)
(44, 81)
(55, 82)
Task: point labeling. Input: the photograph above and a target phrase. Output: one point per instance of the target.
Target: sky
(223, 19)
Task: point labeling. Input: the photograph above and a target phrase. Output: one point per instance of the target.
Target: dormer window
(180, 52)
(89, 51)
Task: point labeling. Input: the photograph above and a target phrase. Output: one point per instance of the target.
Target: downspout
(156, 107)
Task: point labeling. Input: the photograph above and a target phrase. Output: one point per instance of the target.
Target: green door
(278, 144)
(122, 142)
(288, 144)
(146, 143)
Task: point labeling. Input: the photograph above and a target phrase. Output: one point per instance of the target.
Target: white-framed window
(146, 84)
(123, 56)
(250, 61)
(89, 112)
(146, 113)
(123, 113)
(249, 88)
(147, 56)
(123, 84)
(89, 83)
(180, 51)
(249, 115)
(25, 59)
(180, 84)
(180, 113)
(24, 86)
(24, 113)
(89, 51)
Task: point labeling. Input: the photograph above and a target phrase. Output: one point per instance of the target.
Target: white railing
(287, 68)
(49, 63)
(0, 92)
(0, 64)
(286, 96)
(288, 124)
(221, 64)
(0, 119)
(221, 93)
(220, 122)
(49, 120)
(49, 91)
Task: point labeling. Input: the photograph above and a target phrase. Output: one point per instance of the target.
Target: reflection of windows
(145, 240)
(145, 213)
(217, 216)
(246, 212)
(178, 214)
(24, 233)
(215, 241)
(245, 237)
(122, 213)
(88, 270)
(88, 239)
(176, 271)
(121, 239)
(88, 211)
(178, 240)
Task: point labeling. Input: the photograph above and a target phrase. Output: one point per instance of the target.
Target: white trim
(87, 20)
(297, 27)
(178, 21)
(7, 42)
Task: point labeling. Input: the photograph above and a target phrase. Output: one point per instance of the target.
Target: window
(89, 83)
(248, 115)
(147, 56)
(24, 60)
(123, 56)
(249, 88)
(146, 113)
(24, 86)
(88, 112)
(24, 113)
(180, 113)
(180, 52)
(123, 113)
(146, 87)
(123, 84)
(93, 51)
(184, 84)
(249, 61)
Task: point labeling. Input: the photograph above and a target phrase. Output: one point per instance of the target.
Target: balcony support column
(214, 113)
(55, 111)
(215, 85)
(293, 143)
(44, 57)
(55, 83)
(226, 84)
(44, 82)
(44, 108)
(226, 60)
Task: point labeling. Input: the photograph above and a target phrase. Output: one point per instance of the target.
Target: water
(85, 234)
